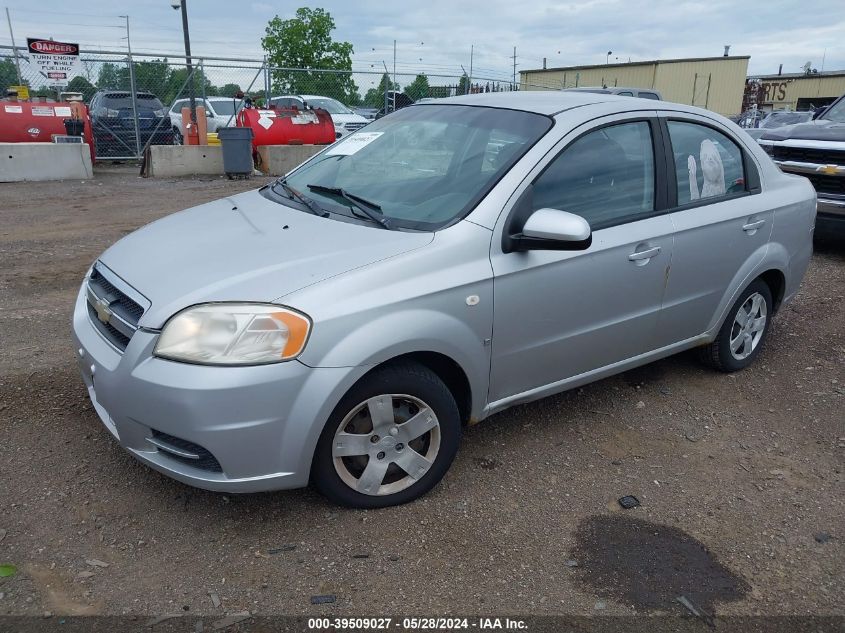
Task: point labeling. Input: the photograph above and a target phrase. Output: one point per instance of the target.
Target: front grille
(112, 334)
(205, 461)
(827, 184)
(809, 155)
(354, 126)
(120, 312)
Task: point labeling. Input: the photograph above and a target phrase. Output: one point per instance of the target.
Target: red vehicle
(40, 121)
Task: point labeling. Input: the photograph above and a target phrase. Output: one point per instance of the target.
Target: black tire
(718, 354)
(411, 379)
(177, 137)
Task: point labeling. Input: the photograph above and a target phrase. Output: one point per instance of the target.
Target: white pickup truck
(816, 150)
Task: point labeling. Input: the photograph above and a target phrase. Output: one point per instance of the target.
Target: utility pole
(394, 69)
(386, 86)
(188, 65)
(15, 50)
(133, 89)
(514, 67)
(471, 51)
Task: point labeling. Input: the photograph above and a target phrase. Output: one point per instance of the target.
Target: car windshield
(779, 119)
(329, 105)
(836, 112)
(225, 107)
(118, 100)
(424, 166)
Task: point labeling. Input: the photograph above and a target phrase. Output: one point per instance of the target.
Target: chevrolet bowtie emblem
(830, 170)
(103, 311)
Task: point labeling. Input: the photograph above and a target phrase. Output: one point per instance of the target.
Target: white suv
(344, 119)
(219, 113)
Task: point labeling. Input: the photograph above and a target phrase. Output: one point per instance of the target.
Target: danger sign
(58, 61)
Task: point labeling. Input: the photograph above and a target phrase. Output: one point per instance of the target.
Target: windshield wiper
(370, 209)
(312, 206)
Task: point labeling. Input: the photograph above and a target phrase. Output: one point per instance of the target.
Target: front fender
(414, 330)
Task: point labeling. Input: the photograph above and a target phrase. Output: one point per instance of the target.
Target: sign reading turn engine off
(57, 61)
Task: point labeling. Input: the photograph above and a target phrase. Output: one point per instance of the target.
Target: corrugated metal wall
(781, 93)
(715, 83)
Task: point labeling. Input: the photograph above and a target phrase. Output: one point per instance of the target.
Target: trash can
(237, 151)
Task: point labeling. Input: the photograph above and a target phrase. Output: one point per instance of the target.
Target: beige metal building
(715, 83)
(797, 91)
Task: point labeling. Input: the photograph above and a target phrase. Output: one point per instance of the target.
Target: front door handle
(751, 227)
(645, 254)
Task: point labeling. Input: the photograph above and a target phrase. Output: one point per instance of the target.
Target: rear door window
(708, 164)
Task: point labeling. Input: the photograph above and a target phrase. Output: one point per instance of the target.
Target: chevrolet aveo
(452, 259)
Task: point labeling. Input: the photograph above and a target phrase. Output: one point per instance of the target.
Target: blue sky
(435, 36)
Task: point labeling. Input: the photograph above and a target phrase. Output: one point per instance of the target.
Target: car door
(722, 225)
(559, 314)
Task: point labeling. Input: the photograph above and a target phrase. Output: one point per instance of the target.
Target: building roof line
(642, 63)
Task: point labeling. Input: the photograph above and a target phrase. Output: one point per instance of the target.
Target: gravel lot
(526, 522)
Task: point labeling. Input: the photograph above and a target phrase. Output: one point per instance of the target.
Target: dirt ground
(740, 477)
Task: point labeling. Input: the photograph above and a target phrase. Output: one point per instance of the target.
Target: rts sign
(57, 61)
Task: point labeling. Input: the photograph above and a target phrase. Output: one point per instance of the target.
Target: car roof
(550, 102)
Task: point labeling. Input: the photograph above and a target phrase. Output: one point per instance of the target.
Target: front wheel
(389, 440)
(744, 331)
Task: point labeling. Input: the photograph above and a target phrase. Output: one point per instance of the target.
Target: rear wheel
(177, 137)
(389, 440)
(744, 331)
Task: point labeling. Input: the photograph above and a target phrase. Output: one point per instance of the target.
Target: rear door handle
(646, 254)
(750, 227)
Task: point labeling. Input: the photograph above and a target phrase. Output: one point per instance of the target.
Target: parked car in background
(346, 323)
(816, 150)
(113, 122)
(219, 112)
(367, 113)
(642, 93)
(396, 100)
(779, 119)
(344, 119)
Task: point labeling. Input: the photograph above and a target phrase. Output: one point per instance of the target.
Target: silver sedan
(450, 260)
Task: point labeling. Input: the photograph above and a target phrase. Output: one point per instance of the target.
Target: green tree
(110, 77)
(418, 88)
(150, 76)
(8, 76)
(80, 84)
(375, 96)
(228, 90)
(305, 42)
(463, 85)
(177, 86)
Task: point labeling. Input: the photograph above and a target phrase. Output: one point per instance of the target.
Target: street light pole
(188, 65)
(607, 59)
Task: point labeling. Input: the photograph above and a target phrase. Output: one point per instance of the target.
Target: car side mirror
(819, 112)
(553, 230)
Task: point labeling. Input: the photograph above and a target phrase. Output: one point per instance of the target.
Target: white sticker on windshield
(354, 143)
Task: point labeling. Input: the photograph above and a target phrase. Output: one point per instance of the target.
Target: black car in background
(113, 123)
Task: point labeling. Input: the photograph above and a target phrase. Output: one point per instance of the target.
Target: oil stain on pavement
(650, 567)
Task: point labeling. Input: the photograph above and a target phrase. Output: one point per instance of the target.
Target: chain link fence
(163, 83)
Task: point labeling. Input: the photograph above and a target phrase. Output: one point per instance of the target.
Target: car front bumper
(259, 423)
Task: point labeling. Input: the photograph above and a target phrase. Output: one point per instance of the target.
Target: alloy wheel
(386, 444)
(748, 326)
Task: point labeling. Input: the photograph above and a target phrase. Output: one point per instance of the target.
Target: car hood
(818, 130)
(244, 248)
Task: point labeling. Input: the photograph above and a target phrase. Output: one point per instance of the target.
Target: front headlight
(234, 334)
